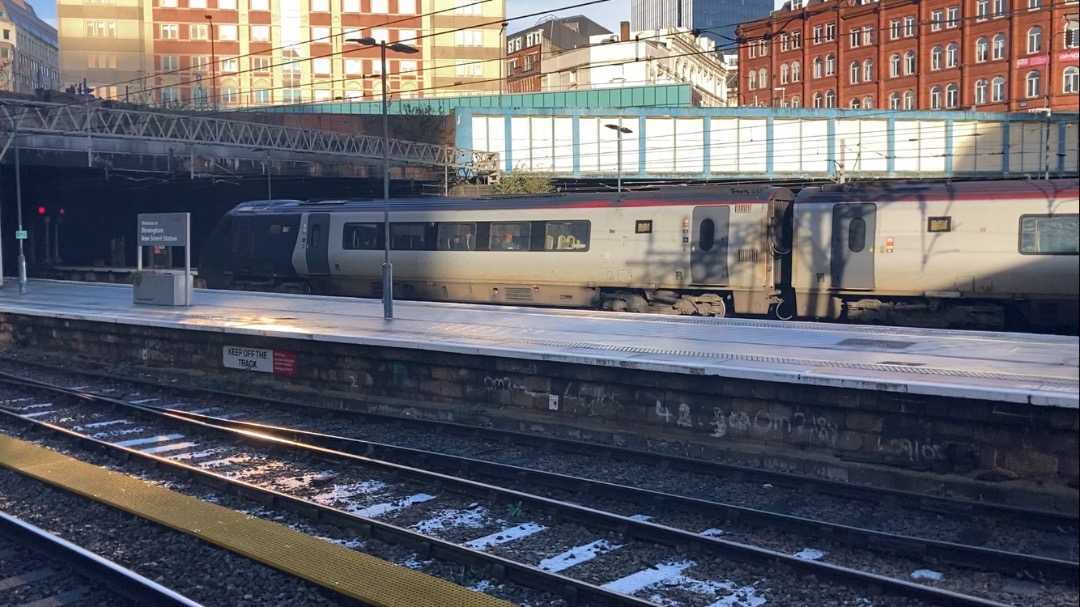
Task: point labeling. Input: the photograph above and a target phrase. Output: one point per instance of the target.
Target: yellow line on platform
(361, 576)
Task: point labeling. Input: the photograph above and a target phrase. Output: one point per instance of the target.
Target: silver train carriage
(960, 254)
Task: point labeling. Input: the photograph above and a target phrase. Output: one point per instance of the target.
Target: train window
(457, 236)
(407, 236)
(510, 236)
(856, 235)
(566, 236)
(362, 237)
(315, 238)
(706, 235)
(1049, 234)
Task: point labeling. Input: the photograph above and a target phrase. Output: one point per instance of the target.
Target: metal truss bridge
(92, 135)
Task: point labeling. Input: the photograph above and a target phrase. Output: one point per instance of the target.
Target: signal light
(41, 210)
(61, 211)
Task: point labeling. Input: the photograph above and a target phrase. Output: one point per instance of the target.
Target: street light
(18, 205)
(213, 61)
(388, 270)
(620, 130)
(266, 169)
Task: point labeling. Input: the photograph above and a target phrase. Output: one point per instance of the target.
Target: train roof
(675, 196)
(1043, 189)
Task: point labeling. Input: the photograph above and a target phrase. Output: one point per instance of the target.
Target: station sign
(163, 229)
(20, 234)
(263, 360)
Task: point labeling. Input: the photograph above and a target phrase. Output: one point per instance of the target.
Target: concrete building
(648, 58)
(238, 53)
(29, 54)
(989, 55)
(527, 50)
(716, 19)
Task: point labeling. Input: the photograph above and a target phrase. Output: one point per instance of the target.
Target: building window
(894, 29)
(261, 96)
(262, 5)
(894, 101)
(909, 63)
(320, 35)
(867, 35)
(937, 19)
(1070, 80)
(763, 78)
(894, 65)
(796, 40)
(910, 28)
(1034, 5)
(170, 95)
(855, 72)
(1072, 34)
(817, 99)
(982, 10)
(763, 48)
(981, 88)
(226, 33)
(818, 64)
(868, 103)
(830, 32)
(982, 50)
(830, 65)
(230, 64)
(785, 40)
(830, 98)
(468, 38)
(868, 70)
(999, 8)
(818, 31)
(952, 95)
(260, 33)
(936, 55)
(199, 31)
(952, 55)
(196, 3)
(226, 5)
(170, 63)
(751, 51)
(473, 69)
(909, 100)
(408, 7)
(935, 98)
(855, 103)
(354, 67)
(169, 31)
(461, 7)
(796, 71)
(1033, 84)
(784, 73)
(380, 6)
(751, 80)
(952, 17)
(1034, 40)
(999, 47)
(998, 91)
(260, 63)
(796, 102)
(320, 65)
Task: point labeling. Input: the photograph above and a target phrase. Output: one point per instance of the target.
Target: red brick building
(988, 55)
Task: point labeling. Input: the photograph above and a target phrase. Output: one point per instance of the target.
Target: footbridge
(93, 135)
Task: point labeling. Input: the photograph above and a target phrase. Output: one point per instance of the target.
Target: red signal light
(41, 210)
(61, 211)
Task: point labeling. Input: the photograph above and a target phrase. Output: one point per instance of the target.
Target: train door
(318, 241)
(852, 261)
(708, 253)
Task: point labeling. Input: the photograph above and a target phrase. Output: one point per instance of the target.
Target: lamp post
(783, 95)
(620, 130)
(213, 61)
(388, 270)
(21, 236)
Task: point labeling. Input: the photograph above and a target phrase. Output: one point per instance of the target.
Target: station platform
(837, 388)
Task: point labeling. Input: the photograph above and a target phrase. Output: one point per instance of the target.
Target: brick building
(989, 55)
(269, 52)
(526, 50)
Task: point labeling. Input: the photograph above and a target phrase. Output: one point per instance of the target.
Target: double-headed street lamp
(620, 130)
(388, 271)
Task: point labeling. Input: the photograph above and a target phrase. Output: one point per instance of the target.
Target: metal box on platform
(163, 289)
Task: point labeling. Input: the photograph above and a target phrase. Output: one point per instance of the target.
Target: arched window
(894, 65)
(796, 102)
(868, 70)
(763, 78)
(999, 47)
(1034, 40)
(997, 93)
(868, 103)
(855, 71)
(817, 99)
(935, 98)
(982, 50)
(1070, 80)
(854, 103)
(752, 80)
(1034, 84)
(830, 98)
(909, 63)
(952, 55)
(952, 95)
(936, 55)
(817, 67)
(796, 71)
(894, 101)
(830, 64)
(981, 89)
(909, 100)
(784, 74)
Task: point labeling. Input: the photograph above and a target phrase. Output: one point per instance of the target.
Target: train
(979, 254)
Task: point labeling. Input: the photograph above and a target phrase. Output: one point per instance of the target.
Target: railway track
(40, 569)
(649, 526)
